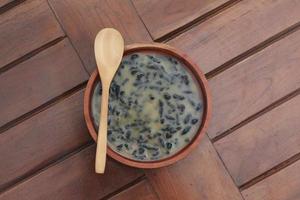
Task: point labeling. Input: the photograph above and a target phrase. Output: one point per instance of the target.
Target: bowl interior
(198, 77)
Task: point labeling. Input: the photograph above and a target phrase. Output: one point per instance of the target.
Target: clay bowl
(203, 84)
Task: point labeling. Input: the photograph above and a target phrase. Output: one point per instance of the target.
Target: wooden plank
(39, 79)
(262, 144)
(83, 19)
(5, 2)
(255, 83)
(283, 185)
(42, 139)
(142, 190)
(236, 30)
(162, 17)
(25, 28)
(74, 178)
(200, 176)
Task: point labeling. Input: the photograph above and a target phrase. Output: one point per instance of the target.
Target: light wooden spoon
(109, 48)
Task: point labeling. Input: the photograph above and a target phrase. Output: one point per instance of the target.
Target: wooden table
(249, 50)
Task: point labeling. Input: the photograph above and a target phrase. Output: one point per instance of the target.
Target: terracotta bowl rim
(198, 75)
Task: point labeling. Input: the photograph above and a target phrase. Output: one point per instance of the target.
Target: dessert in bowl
(159, 106)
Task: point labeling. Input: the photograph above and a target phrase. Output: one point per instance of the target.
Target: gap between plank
(30, 54)
(273, 39)
(70, 92)
(10, 5)
(65, 32)
(61, 97)
(210, 74)
(141, 19)
(42, 107)
(271, 171)
(39, 170)
(124, 187)
(270, 107)
(178, 31)
(226, 169)
(152, 186)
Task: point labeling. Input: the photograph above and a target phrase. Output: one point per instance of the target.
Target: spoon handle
(102, 132)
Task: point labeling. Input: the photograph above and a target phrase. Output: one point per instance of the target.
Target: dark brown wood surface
(249, 50)
(200, 176)
(282, 186)
(5, 2)
(83, 19)
(163, 17)
(142, 190)
(236, 30)
(255, 83)
(263, 143)
(42, 139)
(74, 178)
(44, 76)
(25, 28)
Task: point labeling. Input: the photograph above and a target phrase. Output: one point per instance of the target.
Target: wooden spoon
(109, 47)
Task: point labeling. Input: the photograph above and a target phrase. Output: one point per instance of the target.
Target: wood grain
(255, 83)
(142, 190)
(83, 19)
(26, 27)
(74, 178)
(42, 139)
(39, 79)
(162, 17)
(236, 30)
(263, 143)
(200, 176)
(283, 185)
(49, 156)
(5, 2)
